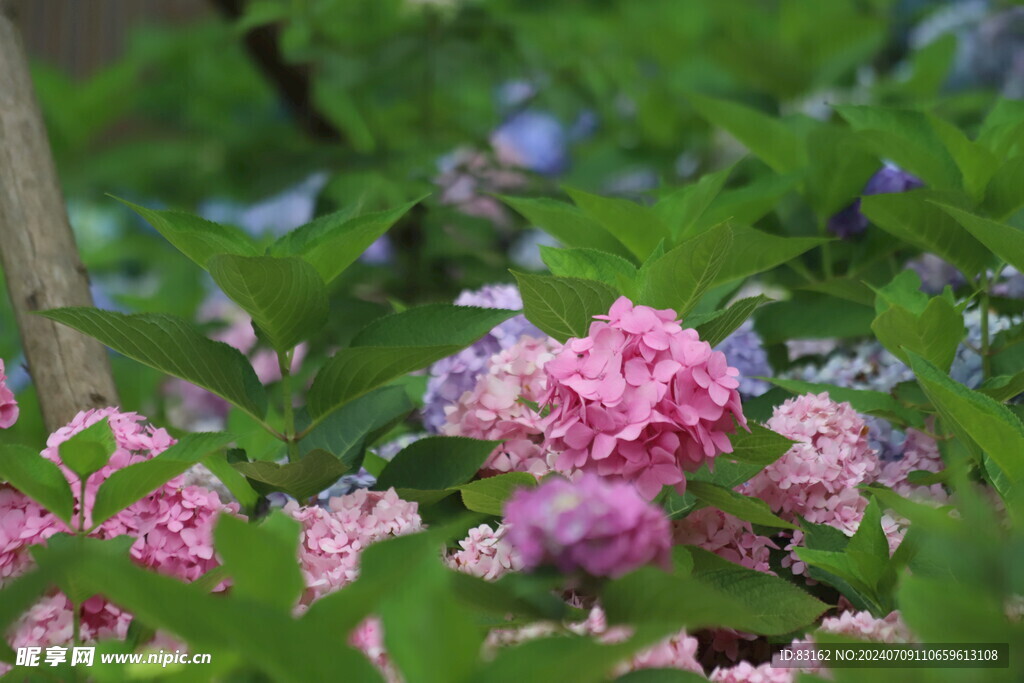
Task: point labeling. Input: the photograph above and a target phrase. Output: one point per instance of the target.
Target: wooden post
(71, 372)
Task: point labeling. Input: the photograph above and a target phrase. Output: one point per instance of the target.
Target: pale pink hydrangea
(495, 408)
(368, 638)
(640, 399)
(745, 672)
(865, 626)
(726, 536)
(602, 527)
(332, 540)
(920, 452)
(8, 406)
(173, 528)
(817, 478)
(485, 553)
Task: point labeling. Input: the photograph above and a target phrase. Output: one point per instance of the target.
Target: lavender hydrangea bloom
(533, 140)
(868, 365)
(890, 179)
(884, 439)
(1012, 284)
(745, 352)
(346, 485)
(452, 376)
(935, 273)
(967, 365)
(277, 215)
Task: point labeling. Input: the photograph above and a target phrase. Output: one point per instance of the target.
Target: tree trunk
(71, 372)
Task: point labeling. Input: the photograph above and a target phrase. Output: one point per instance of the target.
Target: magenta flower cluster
(601, 527)
(172, 528)
(640, 399)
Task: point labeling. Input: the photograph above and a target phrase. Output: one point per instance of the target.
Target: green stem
(986, 356)
(285, 363)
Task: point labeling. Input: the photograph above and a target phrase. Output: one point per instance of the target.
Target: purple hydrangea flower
(745, 352)
(935, 273)
(1012, 284)
(452, 376)
(967, 365)
(886, 440)
(601, 527)
(868, 365)
(890, 179)
(276, 215)
(534, 140)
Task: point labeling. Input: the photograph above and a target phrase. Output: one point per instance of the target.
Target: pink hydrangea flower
(640, 399)
(494, 409)
(817, 477)
(602, 527)
(173, 528)
(920, 452)
(726, 536)
(368, 638)
(8, 406)
(332, 540)
(485, 553)
(864, 626)
(745, 672)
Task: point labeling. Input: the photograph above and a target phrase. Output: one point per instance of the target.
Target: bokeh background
(265, 113)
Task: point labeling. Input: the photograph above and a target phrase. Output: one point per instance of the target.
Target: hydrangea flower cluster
(935, 273)
(332, 540)
(868, 365)
(601, 527)
(173, 528)
(466, 177)
(865, 626)
(453, 376)
(486, 553)
(725, 535)
(920, 452)
(967, 365)
(8, 406)
(747, 354)
(889, 179)
(534, 140)
(640, 399)
(745, 672)
(817, 477)
(495, 408)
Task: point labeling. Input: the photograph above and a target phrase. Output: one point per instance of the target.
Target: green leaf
(678, 279)
(301, 479)
(935, 334)
(333, 242)
(567, 224)
(759, 446)
(765, 136)
(915, 219)
(909, 139)
(394, 345)
(1003, 197)
(588, 264)
(862, 400)
(89, 450)
(634, 225)
(1002, 240)
(285, 297)
(717, 329)
(173, 346)
(348, 430)
(262, 559)
(775, 605)
(489, 495)
(232, 479)
(809, 315)
(660, 676)
(436, 463)
(839, 168)
(563, 307)
(975, 418)
(38, 478)
(736, 504)
(132, 483)
(754, 251)
(1003, 387)
(682, 209)
(195, 237)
